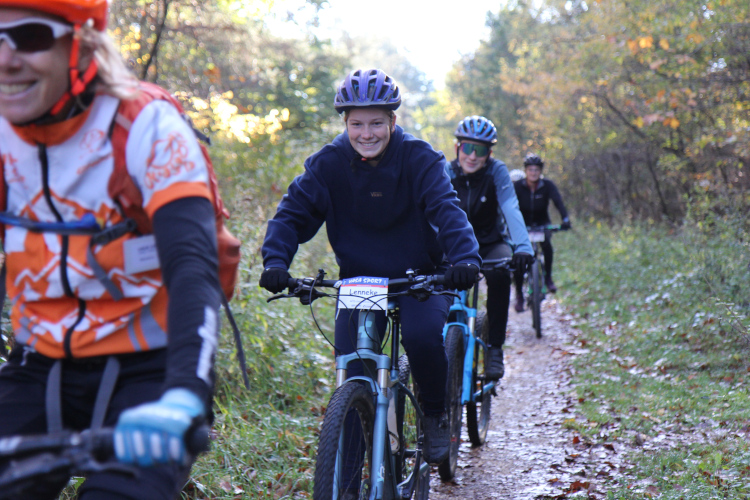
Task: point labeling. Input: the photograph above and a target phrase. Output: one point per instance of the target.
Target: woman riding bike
(388, 207)
(534, 195)
(486, 195)
(111, 327)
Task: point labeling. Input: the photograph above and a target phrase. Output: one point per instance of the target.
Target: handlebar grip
(198, 439)
(103, 444)
(102, 441)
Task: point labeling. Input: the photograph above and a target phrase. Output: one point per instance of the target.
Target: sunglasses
(33, 34)
(481, 150)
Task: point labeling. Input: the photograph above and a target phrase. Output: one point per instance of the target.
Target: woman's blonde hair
(113, 76)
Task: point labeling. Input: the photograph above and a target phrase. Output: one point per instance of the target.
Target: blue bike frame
(465, 317)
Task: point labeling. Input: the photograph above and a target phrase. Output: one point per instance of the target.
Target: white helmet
(516, 174)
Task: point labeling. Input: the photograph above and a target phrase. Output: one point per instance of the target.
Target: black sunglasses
(480, 149)
(33, 34)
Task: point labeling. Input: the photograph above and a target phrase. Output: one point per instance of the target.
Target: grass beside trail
(266, 437)
(664, 317)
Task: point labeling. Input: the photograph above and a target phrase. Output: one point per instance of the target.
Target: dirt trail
(529, 455)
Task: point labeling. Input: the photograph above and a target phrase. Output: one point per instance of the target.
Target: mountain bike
(466, 339)
(31, 460)
(370, 444)
(537, 288)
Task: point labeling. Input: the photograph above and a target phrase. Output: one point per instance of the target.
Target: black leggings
(549, 254)
(23, 382)
(498, 292)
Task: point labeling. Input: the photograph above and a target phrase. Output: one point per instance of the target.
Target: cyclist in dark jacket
(388, 206)
(487, 196)
(534, 195)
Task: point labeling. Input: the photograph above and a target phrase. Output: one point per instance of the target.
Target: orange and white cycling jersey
(58, 173)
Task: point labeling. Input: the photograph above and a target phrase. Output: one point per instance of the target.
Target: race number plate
(536, 237)
(364, 292)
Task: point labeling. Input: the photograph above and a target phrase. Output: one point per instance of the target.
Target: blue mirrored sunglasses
(480, 149)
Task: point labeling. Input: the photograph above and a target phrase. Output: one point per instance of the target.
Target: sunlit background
(433, 35)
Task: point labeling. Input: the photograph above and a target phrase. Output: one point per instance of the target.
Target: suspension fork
(368, 352)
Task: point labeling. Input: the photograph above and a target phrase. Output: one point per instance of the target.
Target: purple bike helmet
(476, 128)
(367, 88)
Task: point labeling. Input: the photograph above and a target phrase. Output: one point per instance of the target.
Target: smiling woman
(370, 131)
(33, 60)
(388, 207)
(102, 304)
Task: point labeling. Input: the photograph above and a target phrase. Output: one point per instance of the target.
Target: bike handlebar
(437, 279)
(36, 459)
(305, 288)
(552, 228)
(99, 443)
(495, 264)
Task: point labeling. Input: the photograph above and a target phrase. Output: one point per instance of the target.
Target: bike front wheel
(536, 297)
(478, 408)
(345, 446)
(454, 350)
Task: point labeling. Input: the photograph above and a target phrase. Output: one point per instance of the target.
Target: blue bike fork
(465, 318)
(487, 387)
(367, 337)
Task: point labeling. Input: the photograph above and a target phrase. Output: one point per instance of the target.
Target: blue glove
(154, 433)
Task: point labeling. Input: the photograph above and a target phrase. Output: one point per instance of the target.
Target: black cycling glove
(274, 279)
(565, 225)
(522, 262)
(461, 276)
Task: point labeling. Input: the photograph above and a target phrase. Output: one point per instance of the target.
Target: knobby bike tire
(410, 435)
(454, 351)
(536, 297)
(478, 412)
(354, 400)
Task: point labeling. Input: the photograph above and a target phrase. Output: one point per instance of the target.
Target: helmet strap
(78, 82)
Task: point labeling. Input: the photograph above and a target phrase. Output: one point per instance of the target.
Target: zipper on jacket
(65, 243)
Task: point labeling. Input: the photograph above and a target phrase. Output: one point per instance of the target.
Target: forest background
(639, 108)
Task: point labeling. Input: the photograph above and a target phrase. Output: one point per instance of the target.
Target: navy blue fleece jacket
(402, 214)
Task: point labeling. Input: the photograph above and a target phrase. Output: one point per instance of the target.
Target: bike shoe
(436, 438)
(550, 285)
(494, 367)
(519, 303)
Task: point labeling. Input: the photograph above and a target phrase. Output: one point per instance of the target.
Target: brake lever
(281, 296)
(309, 295)
(422, 291)
(90, 464)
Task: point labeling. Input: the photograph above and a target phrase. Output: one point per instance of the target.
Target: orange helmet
(76, 12)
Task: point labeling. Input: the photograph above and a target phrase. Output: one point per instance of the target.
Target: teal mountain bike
(466, 337)
(371, 440)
